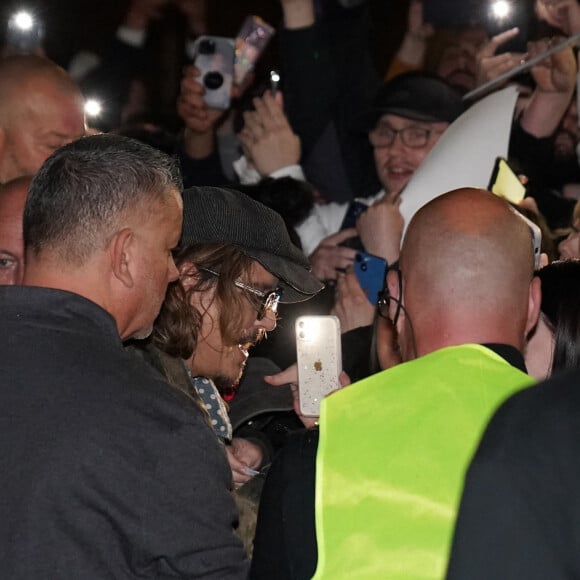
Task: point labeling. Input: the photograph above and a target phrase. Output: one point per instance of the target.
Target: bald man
(12, 200)
(393, 448)
(41, 109)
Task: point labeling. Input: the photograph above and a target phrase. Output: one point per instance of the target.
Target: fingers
(340, 237)
(287, 376)
(344, 379)
(248, 453)
(490, 47)
(239, 468)
(496, 65)
(349, 284)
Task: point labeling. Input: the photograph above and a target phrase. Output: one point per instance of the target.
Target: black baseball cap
(212, 214)
(417, 95)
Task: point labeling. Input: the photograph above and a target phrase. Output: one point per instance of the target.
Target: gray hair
(83, 190)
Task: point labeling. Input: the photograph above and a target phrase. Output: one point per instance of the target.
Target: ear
(121, 251)
(2, 142)
(534, 303)
(187, 274)
(393, 284)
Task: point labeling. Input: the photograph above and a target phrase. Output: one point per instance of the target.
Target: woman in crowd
(555, 343)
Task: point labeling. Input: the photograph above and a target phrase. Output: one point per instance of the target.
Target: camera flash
(22, 20)
(501, 9)
(93, 108)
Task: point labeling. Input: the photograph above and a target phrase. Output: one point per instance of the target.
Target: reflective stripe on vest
(391, 460)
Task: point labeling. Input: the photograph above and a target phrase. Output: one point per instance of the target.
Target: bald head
(41, 109)
(12, 200)
(467, 262)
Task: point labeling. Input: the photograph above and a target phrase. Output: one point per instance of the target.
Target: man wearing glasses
(236, 263)
(408, 116)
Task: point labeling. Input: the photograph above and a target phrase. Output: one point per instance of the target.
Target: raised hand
(267, 138)
(490, 65)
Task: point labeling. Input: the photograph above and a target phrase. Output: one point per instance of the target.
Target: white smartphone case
(319, 359)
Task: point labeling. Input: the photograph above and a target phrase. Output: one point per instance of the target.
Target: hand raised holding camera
(200, 121)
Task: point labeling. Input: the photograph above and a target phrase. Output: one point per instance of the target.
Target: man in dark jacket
(107, 471)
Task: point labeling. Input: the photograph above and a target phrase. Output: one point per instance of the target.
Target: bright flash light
(23, 20)
(274, 77)
(93, 108)
(501, 9)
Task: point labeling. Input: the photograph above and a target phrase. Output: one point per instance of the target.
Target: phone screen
(505, 183)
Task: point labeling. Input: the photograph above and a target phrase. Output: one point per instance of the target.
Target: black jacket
(520, 512)
(107, 472)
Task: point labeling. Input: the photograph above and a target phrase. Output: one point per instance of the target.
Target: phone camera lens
(207, 47)
(213, 80)
(301, 334)
(363, 267)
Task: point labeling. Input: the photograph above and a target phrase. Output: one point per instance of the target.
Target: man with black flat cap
(236, 263)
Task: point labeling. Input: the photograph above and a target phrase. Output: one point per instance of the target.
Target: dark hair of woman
(561, 309)
(178, 324)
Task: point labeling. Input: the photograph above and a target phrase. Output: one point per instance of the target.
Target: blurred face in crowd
(570, 247)
(153, 240)
(458, 64)
(12, 200)
(400, 146)
(38, 118)
(223, 358)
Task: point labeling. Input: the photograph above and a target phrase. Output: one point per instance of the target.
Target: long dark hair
(561, 309)
(178, 324)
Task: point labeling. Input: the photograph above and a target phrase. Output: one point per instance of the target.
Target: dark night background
(74, 25)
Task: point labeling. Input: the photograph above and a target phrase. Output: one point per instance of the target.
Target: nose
(268, 323)
(570, 247)
(397, 144)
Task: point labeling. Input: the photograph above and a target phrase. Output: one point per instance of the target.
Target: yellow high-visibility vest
(391, 460)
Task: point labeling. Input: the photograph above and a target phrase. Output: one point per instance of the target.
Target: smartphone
(319, 360)
(354, 211)
(215, 60)
(370, 271)
(505, 183)
(251, 41)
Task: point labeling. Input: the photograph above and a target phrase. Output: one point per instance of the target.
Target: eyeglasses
(383, 135)
(268, 300)
(384, 301)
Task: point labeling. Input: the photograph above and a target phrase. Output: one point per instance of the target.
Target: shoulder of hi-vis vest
(391, 460)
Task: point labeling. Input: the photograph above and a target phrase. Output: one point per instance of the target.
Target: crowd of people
(151, 273)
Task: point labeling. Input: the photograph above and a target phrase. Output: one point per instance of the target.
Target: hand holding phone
(319, 360)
